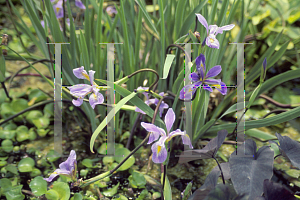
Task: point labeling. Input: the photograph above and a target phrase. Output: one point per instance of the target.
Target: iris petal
(79, 4)
(214, 71)
(203, 21)
(169, 119)
(223, 88)
(224, 28)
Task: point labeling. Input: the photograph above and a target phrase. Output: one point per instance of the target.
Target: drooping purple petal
(79, 4)
(223, 88)
(51, 177)
(224, 28)
(174, 133)
(212, 41)
(111, 10)
(80, 73)
(91, 76)
(188, 91)
(43, 23)
(156, 131)
(159, 151)
(186, 140)
(200, 65)
(161, 108)
(150, 101)
(203, 21)
(194, 77)
(95, 99)
(58, 9)
(144, 93)
(78, 102)
(169, 119)
(212, 81)
(214, 71)
(80, 90)
(207, 87)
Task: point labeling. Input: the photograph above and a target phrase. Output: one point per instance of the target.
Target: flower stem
(143, 70)
(108, 173)
(220, 170)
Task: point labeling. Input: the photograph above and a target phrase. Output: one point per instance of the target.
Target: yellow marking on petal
(202, 65)
(95, 97)
(86, 76)
(54, 173)
(217, 86)
(158, 149)
(57, 9)
(212, 40)
(190, 90)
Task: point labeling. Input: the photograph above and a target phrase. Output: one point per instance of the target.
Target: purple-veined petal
(207, 87)
(91, 76)
(80, 73)
(212, 29)
(95, 99)
(194, 77)
(150, 101)
(69, 164)
(79, 4)
(78, 102)
(161, 108)
(51, 177)
(203, 21)
(156, 131)
(212, 41)
(214, 71)
(139, 110)
(212, 81)
(188, 91)
(174, 133)
(200, 65)
(186, 140)
(169, 119)
(159, 151)
(224, 28)
(80, 90)
(223, 88)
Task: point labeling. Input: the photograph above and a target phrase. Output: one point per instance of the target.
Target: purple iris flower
(81, 90)
(155, 101)
(158, 148)
(214, 30)
(58, 7)
(199, 78)
(67, 168)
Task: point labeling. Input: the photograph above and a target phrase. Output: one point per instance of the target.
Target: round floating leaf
(124, 152)
(41, 123)
(5, 184)
(112, 191)
(3, 163)
(7, 145)
(14, 193)
(38, 95)
(52, 156)
(77, 196)
(139, 179)
(42, 132)
(34, 114)
(108, 160)
(49, 110)
(35, 172)
(31, 134)
(38, 186)
(13, 169)
(19, 105)
(102, 148)
(293, 173)
(6, 110)
(10, 126)
(52, 195)
(120, 197)
(26, 165)
(7, 134)
(87, 162)
(62, 189)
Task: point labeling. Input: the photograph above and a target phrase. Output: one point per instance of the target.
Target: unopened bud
(4, 52)
(197, 35)
(265, 63)
(4, 39)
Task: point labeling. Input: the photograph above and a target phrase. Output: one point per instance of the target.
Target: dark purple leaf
(248, 173)
(209, 151)
(275, 191)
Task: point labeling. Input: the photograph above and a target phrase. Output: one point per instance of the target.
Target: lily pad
(62, 189)
(112, 191)
(7, 145)
(38, 186)
(38, 95)
(26, 165)
(14, 193)
(34, 114)
(124, 152)
(87, 162)
(13, 169)
(41, 123)
(52, 195)
(19, 105)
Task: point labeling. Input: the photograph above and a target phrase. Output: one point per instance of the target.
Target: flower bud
(4, 39)
(197, 35)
